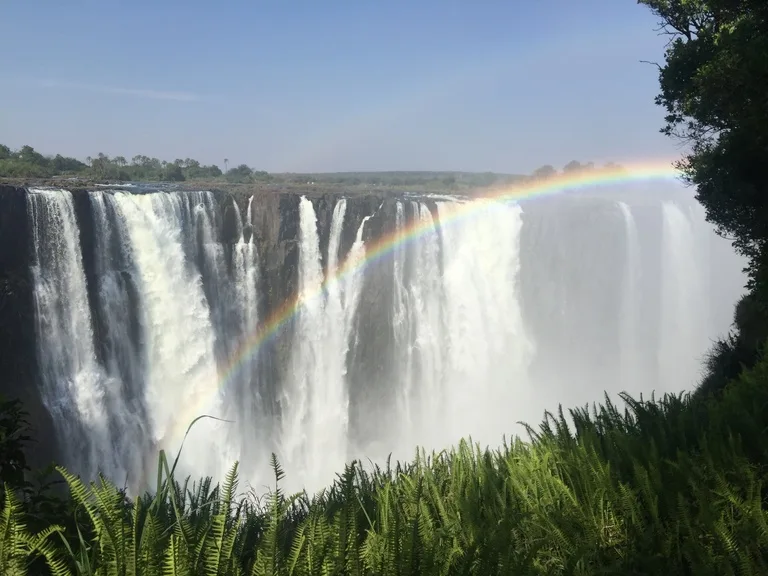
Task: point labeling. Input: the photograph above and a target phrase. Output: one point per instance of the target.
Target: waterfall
(178, 333)
(482, 314)
(118, 306)
(630, 361)
(488, 347)
(402, 324)
(352, 283)
(425, 300)
(457, 324)
(200, 213)
(683, 338)
(334, 238)
(315, 402)
(249, 411)
(75, 390)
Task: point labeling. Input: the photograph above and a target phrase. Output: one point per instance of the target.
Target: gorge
(128, 311)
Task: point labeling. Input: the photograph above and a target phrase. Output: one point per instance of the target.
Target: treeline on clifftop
(29, 163)
(26, 163)
(670, 486)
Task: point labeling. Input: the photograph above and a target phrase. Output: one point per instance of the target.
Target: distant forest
(27, 162)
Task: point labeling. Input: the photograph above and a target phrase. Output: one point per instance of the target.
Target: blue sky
(335, 85)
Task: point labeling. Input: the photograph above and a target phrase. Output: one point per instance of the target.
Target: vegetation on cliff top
(29, 163)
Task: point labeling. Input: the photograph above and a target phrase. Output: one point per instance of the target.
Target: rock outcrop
(18, 366)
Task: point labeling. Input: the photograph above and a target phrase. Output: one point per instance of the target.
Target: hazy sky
(335, 85)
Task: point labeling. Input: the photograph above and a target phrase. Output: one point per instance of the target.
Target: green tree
(546, 171)
(714, 88)
(173, 173)
(5, 152)
(573, 166)
(32, 156)
(14, 436)
(63, 164)
(243, 173)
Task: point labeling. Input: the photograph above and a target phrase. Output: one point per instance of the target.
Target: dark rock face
(372, 366)
(18, 364)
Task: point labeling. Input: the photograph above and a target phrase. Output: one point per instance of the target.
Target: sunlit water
(476, 325)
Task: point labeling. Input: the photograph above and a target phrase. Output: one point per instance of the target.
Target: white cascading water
(181, 379)
(352, 283)
(425, 301)
(487, 350)
(173, 307)
(315, 402)
(248, 405)
(246, 266)
(221, 293)
(402, 324)
(684, 331)
(457, 325)
(631, 381)
(73, 385)
(117, 304)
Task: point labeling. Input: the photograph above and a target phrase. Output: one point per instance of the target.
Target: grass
(669, 486)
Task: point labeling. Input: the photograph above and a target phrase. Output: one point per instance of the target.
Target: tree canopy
(714, 89)
(29, 163)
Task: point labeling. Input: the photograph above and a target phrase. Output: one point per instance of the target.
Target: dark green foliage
(28, 163)
(14, 436)
(724, 362)
(240, 174)
(64, 165)
(173, 173)
(545, 171)
(575, 166)
(741, 348)
(714, 88)
(35, 495)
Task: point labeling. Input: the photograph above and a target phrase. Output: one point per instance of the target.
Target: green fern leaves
(673, 486)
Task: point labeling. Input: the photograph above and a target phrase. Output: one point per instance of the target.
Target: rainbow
(560, 184)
